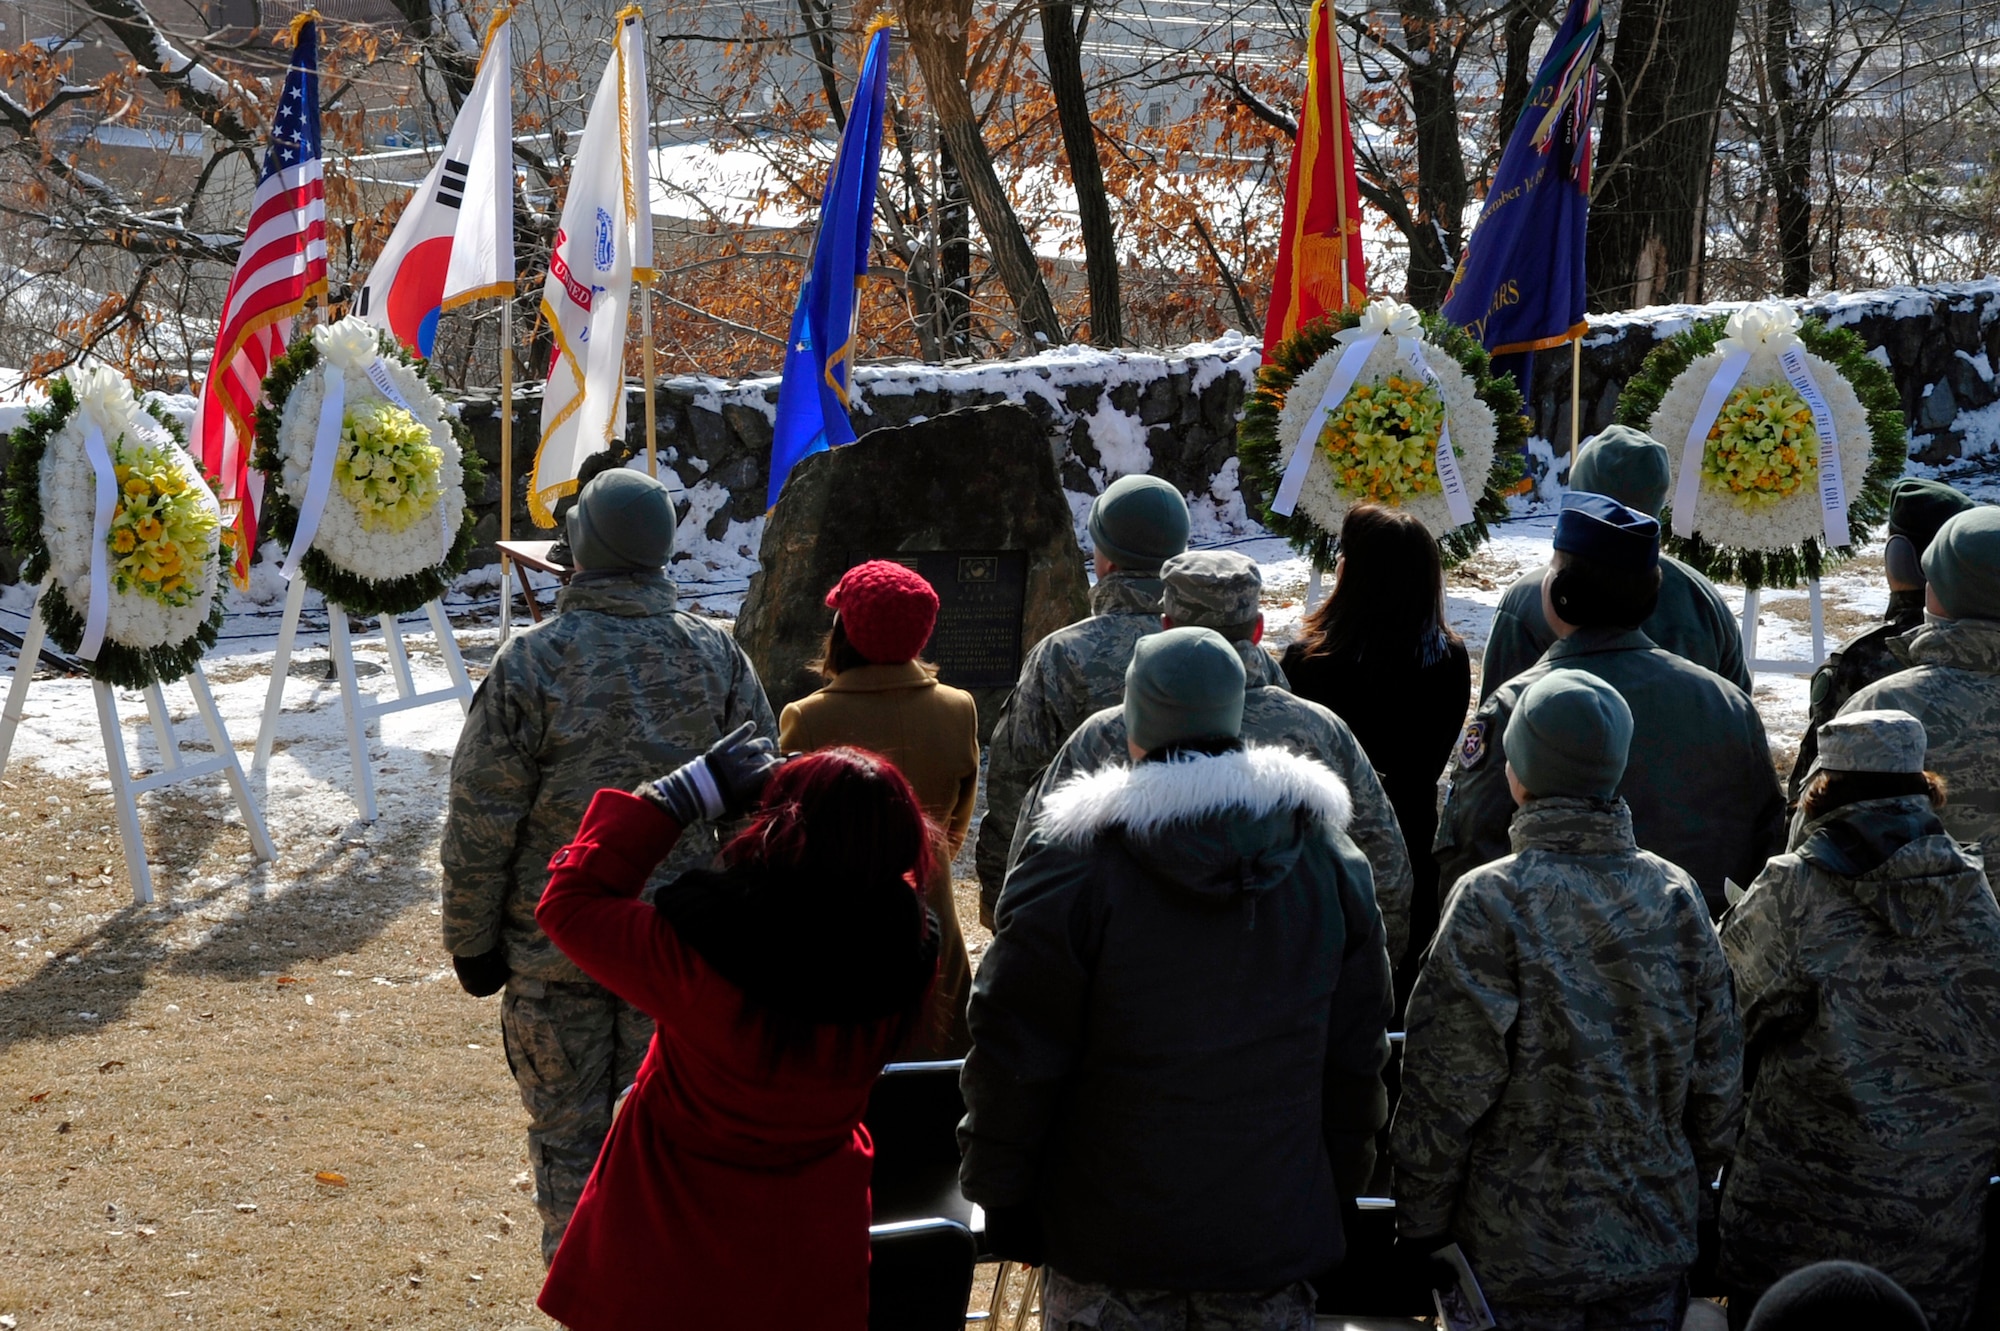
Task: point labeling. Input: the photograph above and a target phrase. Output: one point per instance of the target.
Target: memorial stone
(970, 500)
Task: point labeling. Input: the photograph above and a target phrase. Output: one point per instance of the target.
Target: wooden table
(533, 555)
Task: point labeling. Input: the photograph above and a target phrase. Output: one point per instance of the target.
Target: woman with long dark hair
(1379, 654)
(733, 1189)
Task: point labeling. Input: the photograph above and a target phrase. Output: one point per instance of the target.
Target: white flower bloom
(1473, 430)
(1718, 519)
(350, 343)
(378, 556)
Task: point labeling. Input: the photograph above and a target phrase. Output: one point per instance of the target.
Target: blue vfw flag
(812, 397)
(1519, 286)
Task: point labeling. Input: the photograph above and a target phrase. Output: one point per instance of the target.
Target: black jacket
(1179, 1029)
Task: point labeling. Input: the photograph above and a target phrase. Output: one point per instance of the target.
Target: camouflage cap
(1885, 741)
(1211, 589)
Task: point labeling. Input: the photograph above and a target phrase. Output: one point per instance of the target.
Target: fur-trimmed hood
(1216, 824)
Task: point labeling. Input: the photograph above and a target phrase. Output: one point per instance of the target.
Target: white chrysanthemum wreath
(381, 521)
(1378, 444)
(133, 555)
(1759, 481)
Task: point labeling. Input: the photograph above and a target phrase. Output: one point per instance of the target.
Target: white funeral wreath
(1387, 342)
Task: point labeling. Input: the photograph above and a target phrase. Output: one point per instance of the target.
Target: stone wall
(1174, 413)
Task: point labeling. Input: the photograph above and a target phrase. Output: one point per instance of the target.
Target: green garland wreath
(351, 591)
(1888, 452)
(124, 666)
(1261, 454)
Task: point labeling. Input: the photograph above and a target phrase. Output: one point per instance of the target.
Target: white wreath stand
(1752, 598)
(125, 789)
(360, 711)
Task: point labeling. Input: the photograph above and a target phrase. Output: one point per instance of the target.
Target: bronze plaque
(981, 597)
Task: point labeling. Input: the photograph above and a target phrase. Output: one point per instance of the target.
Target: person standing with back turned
(1379, 655)
(879, 697)
(1690, 619)
(616, 686)
(1137, 524)
(1572, 1074)
(1179, 1030)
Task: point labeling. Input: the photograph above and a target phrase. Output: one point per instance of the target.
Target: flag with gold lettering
(1319, 250)
(1520, 285)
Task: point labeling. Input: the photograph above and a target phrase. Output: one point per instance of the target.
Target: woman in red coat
(733, 1189)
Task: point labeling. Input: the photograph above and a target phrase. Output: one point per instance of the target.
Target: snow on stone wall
(1174, 413)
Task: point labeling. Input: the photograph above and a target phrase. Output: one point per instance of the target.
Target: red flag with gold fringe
(1320, 269)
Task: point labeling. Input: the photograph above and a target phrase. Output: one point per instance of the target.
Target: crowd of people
(1668, 1029)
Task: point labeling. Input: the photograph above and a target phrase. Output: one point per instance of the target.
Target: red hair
(839, 814)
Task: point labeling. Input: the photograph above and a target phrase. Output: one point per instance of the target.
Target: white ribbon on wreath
(1774, 328)
(1381, 319)
(347, 345)
(104, 405)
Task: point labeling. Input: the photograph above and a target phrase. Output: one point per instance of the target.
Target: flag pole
(506, 463)
(646, 367)
(1575, 395)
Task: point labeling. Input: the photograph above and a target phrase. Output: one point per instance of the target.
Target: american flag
(280, 268)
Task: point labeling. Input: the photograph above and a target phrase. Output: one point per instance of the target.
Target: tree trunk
(938, 34)
(1062, 46)
(1791, 165)
(1649, 214)
(1516, 77)
(954, 239)
(818, 17)
(1442, 191)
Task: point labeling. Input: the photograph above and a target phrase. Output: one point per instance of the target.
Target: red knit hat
(887, 609)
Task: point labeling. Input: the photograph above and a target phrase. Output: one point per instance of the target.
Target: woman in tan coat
(879, 696)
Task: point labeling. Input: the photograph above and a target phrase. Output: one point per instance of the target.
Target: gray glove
(722, 783)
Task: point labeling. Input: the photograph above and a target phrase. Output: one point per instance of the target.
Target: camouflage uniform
(1691, 620)
(616, 688)
(1853, 666)
(1078, 1305)
(1572, 1072)
(1275, 718)
(1953, 687)
(1068, 675)
(1868, 967)
(1700, 784)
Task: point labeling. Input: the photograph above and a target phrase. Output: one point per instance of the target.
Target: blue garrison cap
(1599, 528)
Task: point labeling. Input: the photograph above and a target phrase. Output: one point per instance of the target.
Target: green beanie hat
(1625, 464)
(623, 519)
(1139, 522)
(1963, 564)
(1183, 684)
(1918, 507)
(1569, 736)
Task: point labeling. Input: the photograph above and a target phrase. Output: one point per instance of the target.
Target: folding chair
(919, 1275)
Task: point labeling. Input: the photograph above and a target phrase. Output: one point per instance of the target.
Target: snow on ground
(306, 794)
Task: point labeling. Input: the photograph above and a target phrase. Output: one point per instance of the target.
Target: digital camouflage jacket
(1852, 667)
(616, 688)
(1571, 1080)
(1953, 687)
(1077, 670)
(1868, 968)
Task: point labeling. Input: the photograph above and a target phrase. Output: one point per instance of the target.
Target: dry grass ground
(254, 1106)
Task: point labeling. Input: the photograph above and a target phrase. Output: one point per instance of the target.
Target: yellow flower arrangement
(1382, 440)
(1763, 447)
(388, 468)
(160, 529)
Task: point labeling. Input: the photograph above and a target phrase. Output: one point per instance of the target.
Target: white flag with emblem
(604, 240)
(455, 240)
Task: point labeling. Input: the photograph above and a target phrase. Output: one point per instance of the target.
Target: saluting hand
(722, 783)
